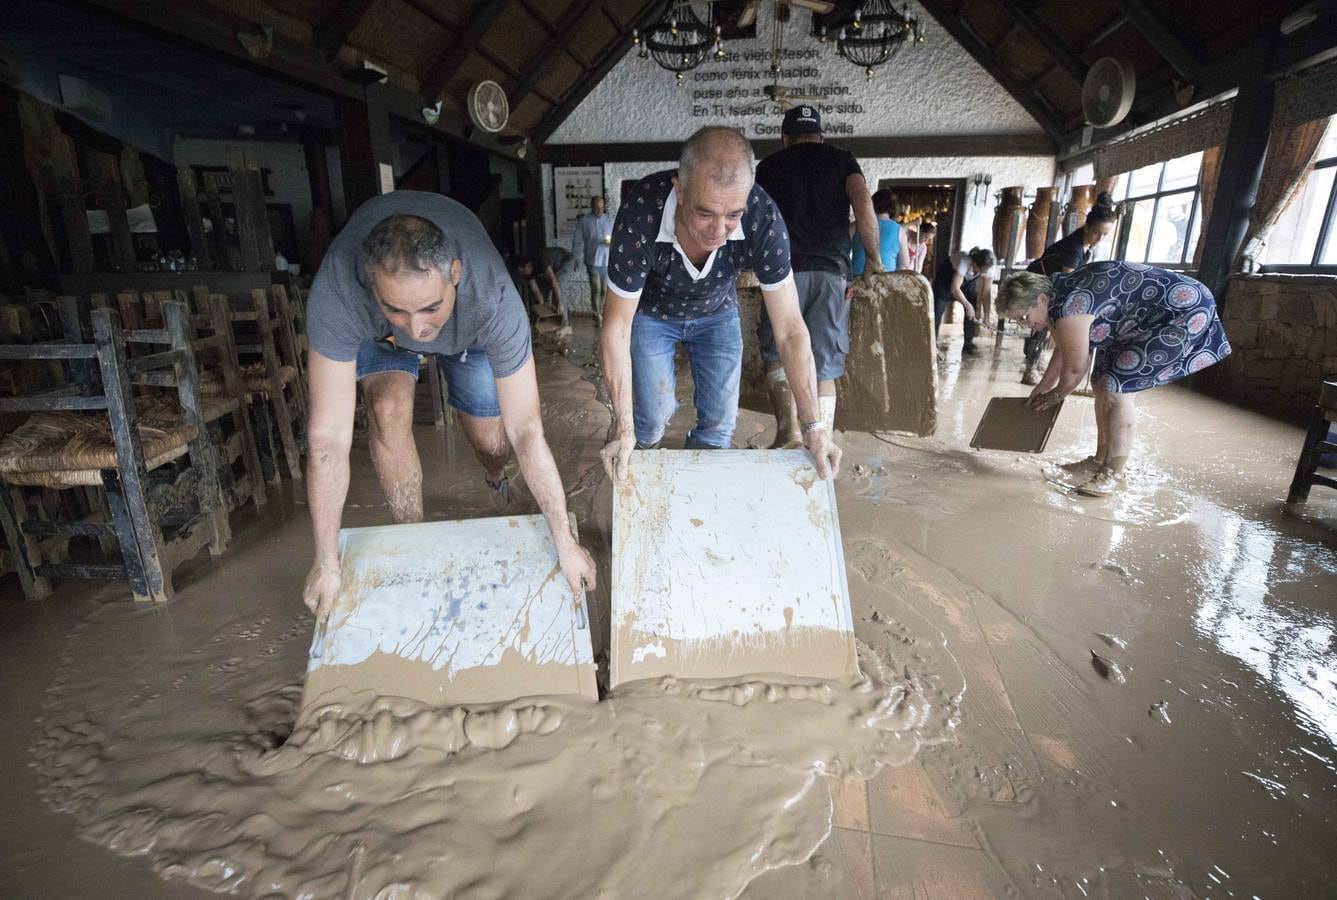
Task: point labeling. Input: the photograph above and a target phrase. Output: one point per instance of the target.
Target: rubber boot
(787, 436)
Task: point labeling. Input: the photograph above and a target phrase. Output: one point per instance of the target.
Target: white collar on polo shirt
(668, 234)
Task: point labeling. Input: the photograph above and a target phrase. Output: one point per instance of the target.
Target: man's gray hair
(721, 153)
(407, 244)
(1022, 290)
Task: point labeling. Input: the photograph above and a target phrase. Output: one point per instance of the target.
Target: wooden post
(244, 211)
(122, 242)
(365, 144)
(74, 218)
(255, 185)
(1242, 158)
(190, 210)
(218, 237)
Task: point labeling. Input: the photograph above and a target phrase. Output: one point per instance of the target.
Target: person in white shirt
(594, 232)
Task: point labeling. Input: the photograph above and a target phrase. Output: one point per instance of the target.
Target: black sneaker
(968, 350)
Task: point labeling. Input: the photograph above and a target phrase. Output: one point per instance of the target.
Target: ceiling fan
(749, 13)
(784, 95)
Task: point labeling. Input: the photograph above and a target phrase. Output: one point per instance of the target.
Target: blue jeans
(598, 287)
(715, 347)
(470, 385)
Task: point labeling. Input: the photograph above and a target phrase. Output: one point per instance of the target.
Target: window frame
(1327, 231)
(1123, 234)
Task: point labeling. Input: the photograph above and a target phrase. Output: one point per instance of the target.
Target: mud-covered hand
(873, 266)
(1034, 397)
(578, 568)
(322, 587)
(616, 456)
(1047, 400)
(970, 311)
(825, 453)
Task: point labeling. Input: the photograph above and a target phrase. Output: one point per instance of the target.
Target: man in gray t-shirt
(414, 273)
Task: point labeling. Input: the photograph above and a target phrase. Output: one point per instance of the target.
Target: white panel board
(726, 563)
(475, 611)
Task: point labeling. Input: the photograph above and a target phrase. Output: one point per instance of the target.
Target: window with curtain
(1162, 212)
(1305, 236)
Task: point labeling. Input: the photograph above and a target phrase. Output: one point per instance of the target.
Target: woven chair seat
(254, 380)
(66, 449)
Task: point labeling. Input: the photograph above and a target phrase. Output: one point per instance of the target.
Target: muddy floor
(1124, 698)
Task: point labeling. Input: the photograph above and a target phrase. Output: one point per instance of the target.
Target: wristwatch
(808, 427)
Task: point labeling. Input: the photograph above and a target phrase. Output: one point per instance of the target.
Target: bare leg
(1102, 399)
(491, 446)
(1120, 428)
(393, 451)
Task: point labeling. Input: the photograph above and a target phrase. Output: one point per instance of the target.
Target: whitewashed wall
(933, 88)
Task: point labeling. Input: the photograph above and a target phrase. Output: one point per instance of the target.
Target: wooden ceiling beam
(1031, 100)
(575, 17)
(1162, 36)
(448, 63)
(538, 15)
(1012, 28)
(1105, 32)
(1056, 47)
(608, 57)
(333, 31)
(918, 146)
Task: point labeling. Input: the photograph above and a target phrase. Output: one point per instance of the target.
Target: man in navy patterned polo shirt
(679, 243)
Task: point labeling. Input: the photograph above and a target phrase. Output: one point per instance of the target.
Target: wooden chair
(1316, 444)
(271, 372)
(148, 453)
(240, 474)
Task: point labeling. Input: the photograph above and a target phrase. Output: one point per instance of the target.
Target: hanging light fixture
(682, 40)
(876, 34)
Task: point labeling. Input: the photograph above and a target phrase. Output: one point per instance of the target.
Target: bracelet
(809, 427)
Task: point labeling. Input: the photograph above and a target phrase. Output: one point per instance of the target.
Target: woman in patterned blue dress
(1151, 326)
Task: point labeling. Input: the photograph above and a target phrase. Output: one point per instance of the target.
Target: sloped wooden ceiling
(543, 52)
(548, 54)
(1040, 50)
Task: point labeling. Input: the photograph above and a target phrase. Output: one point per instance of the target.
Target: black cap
(802, 120)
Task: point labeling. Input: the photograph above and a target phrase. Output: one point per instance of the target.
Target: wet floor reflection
(1246, 612)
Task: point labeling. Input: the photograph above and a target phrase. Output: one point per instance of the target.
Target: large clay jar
(1009, 218)
(1083, 198)
(1037, 223)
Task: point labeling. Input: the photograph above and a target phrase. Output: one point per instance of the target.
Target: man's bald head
(719, 154)
(713, 182)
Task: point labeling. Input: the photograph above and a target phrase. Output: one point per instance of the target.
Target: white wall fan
(488, 107)
(1107, 92)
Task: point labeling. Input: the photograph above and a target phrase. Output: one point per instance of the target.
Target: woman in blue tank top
(891, 243)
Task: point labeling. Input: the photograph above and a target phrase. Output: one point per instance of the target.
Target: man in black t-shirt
(814, 184)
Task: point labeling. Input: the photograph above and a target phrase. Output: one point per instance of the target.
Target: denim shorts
(471, 387)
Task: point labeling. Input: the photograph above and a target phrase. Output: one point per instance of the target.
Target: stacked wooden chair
(273, 376)
(148, 450)
(1316, 446)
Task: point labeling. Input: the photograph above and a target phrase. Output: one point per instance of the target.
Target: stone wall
(1283, 330)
